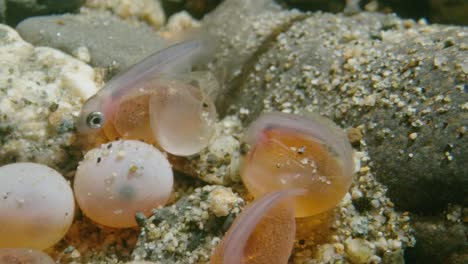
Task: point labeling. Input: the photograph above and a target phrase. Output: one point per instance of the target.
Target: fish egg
(176, 116)
(131, 119)
(36, 206)
(23, 256)
(182, 118)
(289, 151)
(263, 233)
(119, 179)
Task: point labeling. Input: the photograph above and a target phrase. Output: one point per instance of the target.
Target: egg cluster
(112, 184)
(294, 166)
(120, 178)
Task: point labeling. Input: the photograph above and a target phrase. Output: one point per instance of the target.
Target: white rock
(36, 83)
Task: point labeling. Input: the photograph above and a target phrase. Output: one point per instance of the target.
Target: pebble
(42, 90)
(359, 87)
(113, 44)
(146, 11)
(17, 10)
(359, 250)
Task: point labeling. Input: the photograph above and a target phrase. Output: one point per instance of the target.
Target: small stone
(75, 254)
(148, 11)
(360, 225)
(222, 201)
(359, 250)
(354, 135)
(413, 136)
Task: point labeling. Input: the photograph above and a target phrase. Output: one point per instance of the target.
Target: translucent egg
(23, 256)
(175, 116)
(182, 118)
(131, 119)
(36, 206)
(263, 233)
(121, 178)
(289, 151)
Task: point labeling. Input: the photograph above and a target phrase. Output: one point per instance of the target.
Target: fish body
(169, 62)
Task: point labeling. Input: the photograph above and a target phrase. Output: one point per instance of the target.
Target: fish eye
(95, 120)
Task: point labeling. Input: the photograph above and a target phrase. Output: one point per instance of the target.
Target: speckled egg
(121, 178)
(289, 152)
(36, 206)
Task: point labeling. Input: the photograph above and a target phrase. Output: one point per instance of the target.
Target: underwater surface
(235, 131)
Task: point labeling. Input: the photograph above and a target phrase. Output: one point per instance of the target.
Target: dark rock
(437, 11)
(404, 82)
(449, 12)
(21, 9)
(112, 43)
(437, 242)
(197, 8)
(2, 11)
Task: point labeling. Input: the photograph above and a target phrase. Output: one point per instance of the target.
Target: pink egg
(36, 206)
(121, 178)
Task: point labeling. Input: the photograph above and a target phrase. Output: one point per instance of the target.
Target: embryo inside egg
(289, 152)
(121, 178)
(174, 115)
(182, 118)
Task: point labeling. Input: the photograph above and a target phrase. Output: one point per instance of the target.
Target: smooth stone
(113, 44)
(21, 9)
(437, 241)
(392, 77)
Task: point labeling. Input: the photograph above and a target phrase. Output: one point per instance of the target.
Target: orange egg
(262, 234)
(175, 116)
(289, 152)
(131, 119)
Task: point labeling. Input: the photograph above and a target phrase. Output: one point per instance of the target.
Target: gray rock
(438, 241)
(21, 9)
(112, 43)
(187, 231)
(391, 77)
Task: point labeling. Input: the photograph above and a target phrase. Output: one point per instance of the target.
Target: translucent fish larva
(289, 151)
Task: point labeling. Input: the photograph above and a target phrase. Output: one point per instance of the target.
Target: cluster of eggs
(295, 167)
(120, 178)
(112, 184)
